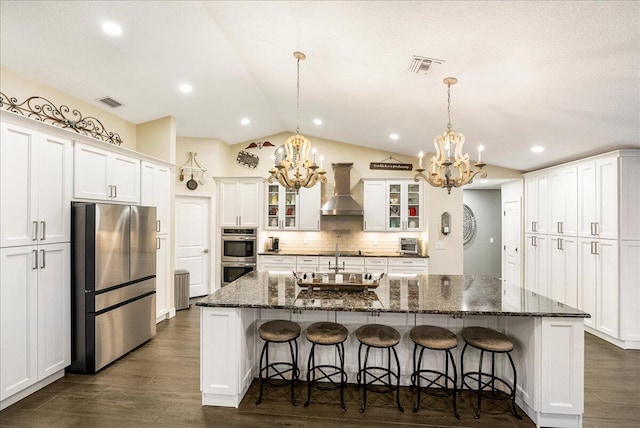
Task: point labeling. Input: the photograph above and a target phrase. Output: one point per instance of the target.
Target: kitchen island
(548, 336)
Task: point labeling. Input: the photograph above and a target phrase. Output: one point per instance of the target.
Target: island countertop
(456, 295)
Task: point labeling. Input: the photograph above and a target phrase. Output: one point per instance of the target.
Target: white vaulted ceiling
(562, 74)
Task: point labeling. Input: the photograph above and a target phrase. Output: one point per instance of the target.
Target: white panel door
(91, 175)
(309, 201)
(192, 242)
(512, 244)
(54, 308)
(18, 186)
(124, 174)
(587, 279)
(55, 181)
(607, 297)
(374, 201)
(18, 319)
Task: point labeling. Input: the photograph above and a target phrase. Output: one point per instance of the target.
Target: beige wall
(17, 86)
(157, 138)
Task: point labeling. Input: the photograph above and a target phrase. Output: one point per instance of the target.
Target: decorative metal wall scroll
(247, 159)
(468, 224)
(42, 109)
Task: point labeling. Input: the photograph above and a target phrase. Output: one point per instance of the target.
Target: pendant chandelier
(443, 170)
(297, 170)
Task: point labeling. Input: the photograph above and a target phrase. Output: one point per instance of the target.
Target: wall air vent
(423, 65)
(110, 102)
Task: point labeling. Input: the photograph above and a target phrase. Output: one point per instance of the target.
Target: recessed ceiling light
(185, 88)
(111, 28)
(537, 149)
(245, 121)
(317, 121)
(394, 136)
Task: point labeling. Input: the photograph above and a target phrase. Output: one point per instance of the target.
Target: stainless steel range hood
(342, 203)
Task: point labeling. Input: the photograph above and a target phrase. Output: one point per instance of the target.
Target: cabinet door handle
(34, 236)
(115, 192)
(44, 230)
(35, 259)
(596, 245)
(596, 227)
(157, 225)
(157, 243)
(318, 224)
(42, 262)
(534, 226)
(110, 190)
(560, 244)
(534, 242)
(365, 224)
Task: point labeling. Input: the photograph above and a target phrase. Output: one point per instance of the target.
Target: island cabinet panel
(562, 376)
(229, 350)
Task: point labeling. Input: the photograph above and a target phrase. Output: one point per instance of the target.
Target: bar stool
(326, 334)
(488, 340)
(279, 331)
(381, 337)
(437, 339)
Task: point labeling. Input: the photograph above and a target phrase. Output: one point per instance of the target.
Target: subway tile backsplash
(346, 231)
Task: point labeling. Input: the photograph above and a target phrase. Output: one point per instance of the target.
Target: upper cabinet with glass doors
(393, 206)
(287, 210)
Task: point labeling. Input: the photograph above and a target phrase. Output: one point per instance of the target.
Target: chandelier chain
(298, 99)
(449, 105)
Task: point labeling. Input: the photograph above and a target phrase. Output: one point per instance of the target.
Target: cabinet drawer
(404, 262)
(288, 260)
(375, 261)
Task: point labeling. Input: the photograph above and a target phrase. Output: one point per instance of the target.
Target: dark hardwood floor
(158, 386)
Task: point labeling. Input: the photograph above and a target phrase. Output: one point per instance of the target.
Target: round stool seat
(279, 331)
(487, 339)
(326, 333)
(433, 337)
(378, 335)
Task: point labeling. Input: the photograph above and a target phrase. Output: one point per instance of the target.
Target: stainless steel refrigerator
(113, 282)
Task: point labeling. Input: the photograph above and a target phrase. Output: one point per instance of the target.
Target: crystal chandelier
(297, 170)
(442, 166)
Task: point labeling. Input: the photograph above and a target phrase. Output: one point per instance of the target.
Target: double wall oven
(239, 253)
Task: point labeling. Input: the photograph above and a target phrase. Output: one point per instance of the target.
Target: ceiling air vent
(110, 102)
(423, 65)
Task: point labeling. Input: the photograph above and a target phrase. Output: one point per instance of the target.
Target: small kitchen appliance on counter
(409, 246)
(273, 244)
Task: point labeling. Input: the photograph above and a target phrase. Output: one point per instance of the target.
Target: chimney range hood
(342, 203)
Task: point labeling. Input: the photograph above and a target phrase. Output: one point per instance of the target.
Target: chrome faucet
(336, 268)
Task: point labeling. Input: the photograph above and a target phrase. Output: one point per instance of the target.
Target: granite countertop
(429, 294)
(345, 254)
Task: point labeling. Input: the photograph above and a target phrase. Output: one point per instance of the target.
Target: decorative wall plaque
(468, 224)
(247, 159)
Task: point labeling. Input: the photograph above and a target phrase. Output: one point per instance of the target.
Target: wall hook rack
(192, 169)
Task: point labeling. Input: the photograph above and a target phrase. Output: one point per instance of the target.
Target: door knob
(206, 251)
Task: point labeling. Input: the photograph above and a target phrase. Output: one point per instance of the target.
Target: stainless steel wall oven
(238, 253)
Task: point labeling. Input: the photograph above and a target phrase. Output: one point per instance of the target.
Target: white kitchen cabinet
(393, 206)
(375, 193)
(563, 201)
(598, 286)
(598, 198)
(155, 184)
(35, 187)
(307, 264)
(536, 264)
(408, 265)
(309, 201)
(287, 210)
(629, 290)
(164, 304)
(105, 175)
(563, 269)
(375, 265)
(536, 203)
(35, 299)
(277, 263)
(239, 201)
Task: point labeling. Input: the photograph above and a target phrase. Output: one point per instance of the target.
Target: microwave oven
(409, 246)
(239, 245)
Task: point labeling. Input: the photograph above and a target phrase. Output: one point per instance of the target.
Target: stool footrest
(488, 387)
(427, 389)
